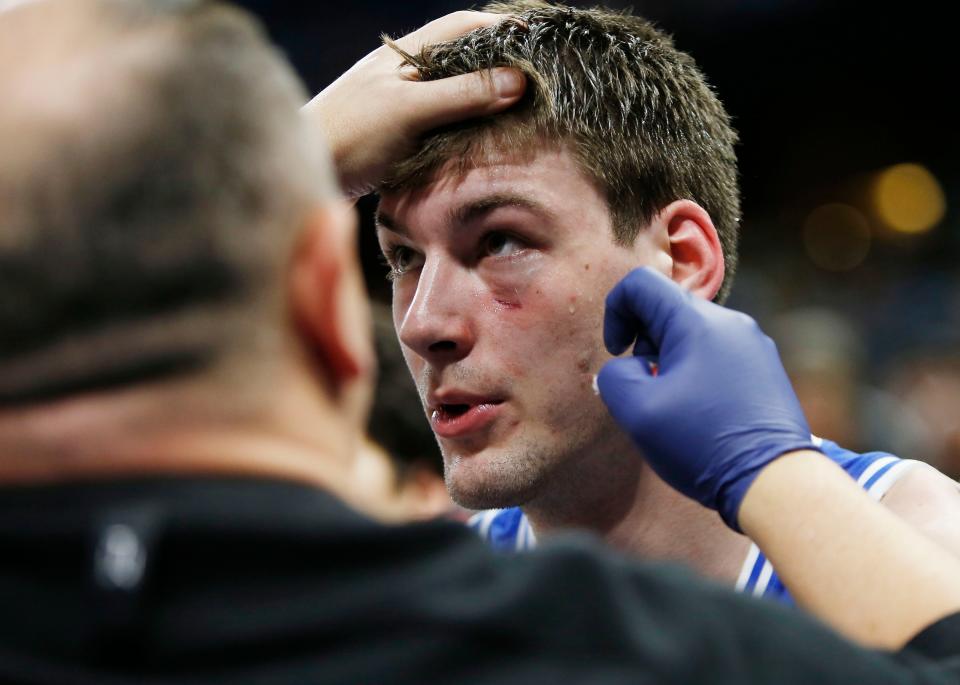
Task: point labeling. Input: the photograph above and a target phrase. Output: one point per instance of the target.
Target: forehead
(546, 179)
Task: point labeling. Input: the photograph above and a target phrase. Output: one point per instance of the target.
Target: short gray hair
(137, 240)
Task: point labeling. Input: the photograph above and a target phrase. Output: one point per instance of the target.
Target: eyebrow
(476, 210)
(470, 212)
(384, 220)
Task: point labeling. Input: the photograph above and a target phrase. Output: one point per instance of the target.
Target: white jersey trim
(889, 479)
(486, 520)
(873, 468)
(876, 491)
(766, 573)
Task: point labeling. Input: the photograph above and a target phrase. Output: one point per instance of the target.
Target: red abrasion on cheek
(506, 304)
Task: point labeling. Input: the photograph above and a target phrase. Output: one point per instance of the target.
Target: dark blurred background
(849, 168)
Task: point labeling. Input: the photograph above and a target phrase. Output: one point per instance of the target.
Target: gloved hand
(720, 406)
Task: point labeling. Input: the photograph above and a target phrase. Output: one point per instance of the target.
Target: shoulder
(916, 492)
(923, 485)
(875, 472)
(930, 501)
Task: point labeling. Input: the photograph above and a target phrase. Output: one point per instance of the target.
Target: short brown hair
(139, 237)
(636, 113)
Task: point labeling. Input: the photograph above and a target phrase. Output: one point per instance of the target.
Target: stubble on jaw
(508, 479)
(528, 469)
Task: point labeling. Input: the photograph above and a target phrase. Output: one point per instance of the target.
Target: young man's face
(501, 275)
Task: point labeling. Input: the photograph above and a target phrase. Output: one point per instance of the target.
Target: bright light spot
(836, 237)
(908, 198)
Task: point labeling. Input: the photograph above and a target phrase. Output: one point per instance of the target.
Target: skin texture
(499, 280)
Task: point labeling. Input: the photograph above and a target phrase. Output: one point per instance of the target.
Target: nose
(436, 324)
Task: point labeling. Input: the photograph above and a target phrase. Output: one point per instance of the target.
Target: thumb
(476, 94)
(624, 385)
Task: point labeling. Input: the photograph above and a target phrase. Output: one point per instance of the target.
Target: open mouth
(451, 420)
(452, 411)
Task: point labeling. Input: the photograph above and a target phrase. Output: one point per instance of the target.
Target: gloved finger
(640, 305)
(624, 385)
(645, 348)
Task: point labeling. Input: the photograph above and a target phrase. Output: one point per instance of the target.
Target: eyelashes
(384, 259)
(500, 245)
(395, 257)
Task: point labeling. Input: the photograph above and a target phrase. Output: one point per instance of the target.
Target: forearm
(847, 559)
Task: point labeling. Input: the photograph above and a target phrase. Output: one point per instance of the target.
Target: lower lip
(479, 416)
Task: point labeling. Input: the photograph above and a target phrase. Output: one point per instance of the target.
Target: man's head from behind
(155, 181)
(504, 234)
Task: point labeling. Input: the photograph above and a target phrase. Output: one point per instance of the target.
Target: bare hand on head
(373, 114)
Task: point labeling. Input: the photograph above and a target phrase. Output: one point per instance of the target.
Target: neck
(623, 501)
(177, 430)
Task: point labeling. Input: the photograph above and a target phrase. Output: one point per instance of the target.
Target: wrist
(783, 484)
(735, 492)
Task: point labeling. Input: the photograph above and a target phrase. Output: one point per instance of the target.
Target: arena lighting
(836, 237)
(908, 198)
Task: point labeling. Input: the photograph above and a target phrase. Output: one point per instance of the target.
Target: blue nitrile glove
(720, 406)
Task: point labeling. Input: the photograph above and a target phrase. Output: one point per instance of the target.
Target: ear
(326, 296)
(694, 247)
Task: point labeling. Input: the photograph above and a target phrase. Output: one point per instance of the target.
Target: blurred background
(851, 187)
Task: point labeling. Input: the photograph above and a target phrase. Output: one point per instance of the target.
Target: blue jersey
(875, 472)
